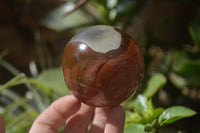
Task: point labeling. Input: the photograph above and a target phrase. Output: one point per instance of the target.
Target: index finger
(115, 121)
(54, 116)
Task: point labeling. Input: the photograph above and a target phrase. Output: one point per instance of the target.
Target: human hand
(78, 117)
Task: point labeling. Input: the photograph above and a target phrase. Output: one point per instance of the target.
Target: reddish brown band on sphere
(101, 76)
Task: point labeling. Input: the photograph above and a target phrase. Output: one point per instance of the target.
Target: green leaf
(165, 64)
(10, 94)
(40, 86)
(3, 53)
(154, 84)
(9, 67)
(135, 128)
(194, 30)
(144, 107)
(183, 64)
(175, 113)
(14, 105)
(132, 117)
(190, 67)
(177, 80)
(56, 21)
(53, 78)
(157, 112)
(179, 58)
(23, 119)
(13, 82)
(20, 129)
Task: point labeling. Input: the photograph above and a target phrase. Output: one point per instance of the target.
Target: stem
(9, 67)
(12, 82)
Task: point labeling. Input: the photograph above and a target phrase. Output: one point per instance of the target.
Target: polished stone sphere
(102, 66)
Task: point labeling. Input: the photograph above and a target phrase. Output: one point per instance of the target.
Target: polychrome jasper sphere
(102, 66)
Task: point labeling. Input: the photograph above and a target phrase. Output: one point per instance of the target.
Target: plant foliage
(171, 75)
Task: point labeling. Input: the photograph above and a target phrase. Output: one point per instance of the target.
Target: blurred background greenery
(34, 33)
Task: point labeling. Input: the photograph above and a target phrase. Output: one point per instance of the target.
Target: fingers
(99, 120)
(105, 120)
(80, 121)
(54, 116)
(115, 121)
(108, 120)
(2, 126)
